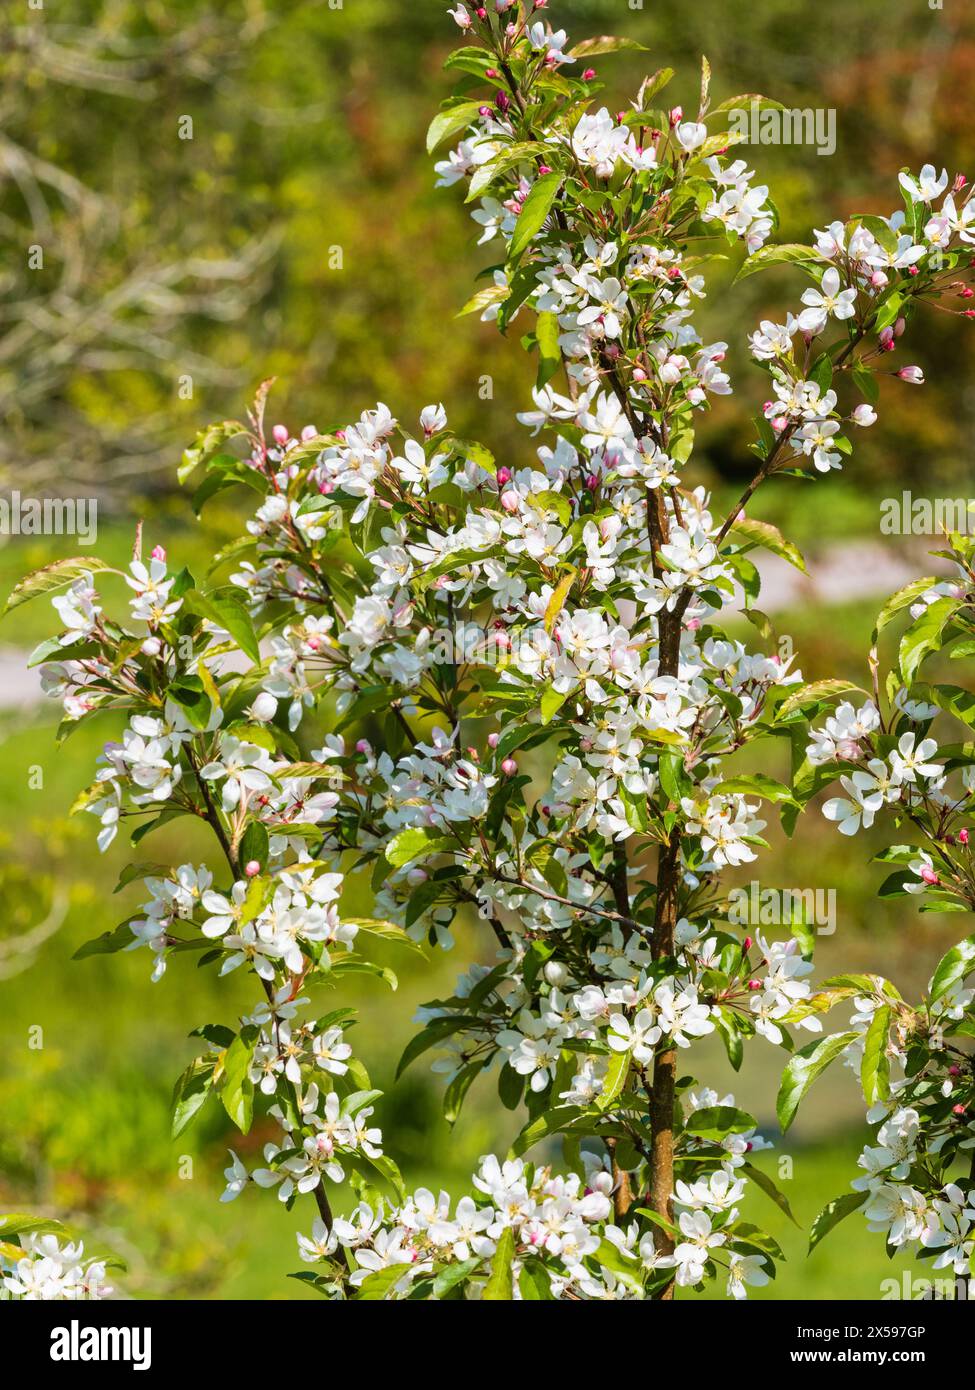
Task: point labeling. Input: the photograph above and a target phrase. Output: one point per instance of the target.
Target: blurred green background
(179, 272)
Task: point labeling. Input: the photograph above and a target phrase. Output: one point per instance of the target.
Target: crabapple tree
(542, 645)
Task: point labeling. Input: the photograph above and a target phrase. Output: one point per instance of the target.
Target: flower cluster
(914, 1061)
(49, 1270)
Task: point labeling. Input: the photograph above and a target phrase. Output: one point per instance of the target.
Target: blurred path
(841, 574)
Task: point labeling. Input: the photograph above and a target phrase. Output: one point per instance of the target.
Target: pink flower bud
(417, 876)
(503, 476)
(929, 876)
(158, 553)
(913, 270)
(589, 74)
(958, 1110)
(878, 280)
(510, 501)
(364, 747)
(544, 169)
(954, 1070)
(754, 985)
(252, 868)
(490, 73)
(959, 183)
(886, 337)
(963, 837)
(592, 482)
(639, 374)
(308, 432)
(676, 115)
(485, 111)
(692, 624)
(502, 101)
(280, 433)
(509, 767)
(746, 945)
(493, 740)
(913, 375)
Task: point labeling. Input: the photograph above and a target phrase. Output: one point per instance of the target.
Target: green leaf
(763, 533)
(959, 962)
(230, 613)
(416, 844)
(190, 1093)
(832, 1214)
(551, 1122)
(206, 444)
(718, 1121)
(812, 694)
(449, 122)
(549, 353)
(388, 931)
(453, 1275)
(557, 601)
(788, 253)
(457, 1090)
(924, 636)
(534, 1283)
(236, 1088)
(534, 211)
(902, 599)
(770, 1188)
(51, 577)
(745, 101)
(956, 701)
(808, 1063)
(500, 1286)
(604, 43)
(107, 944)
(550, 702)
(875, 1067)
(483, 299)
(866, 383)
(617, 1072)
(254, 844)
(24, 1224)
(756, 784)
(379, 1285)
